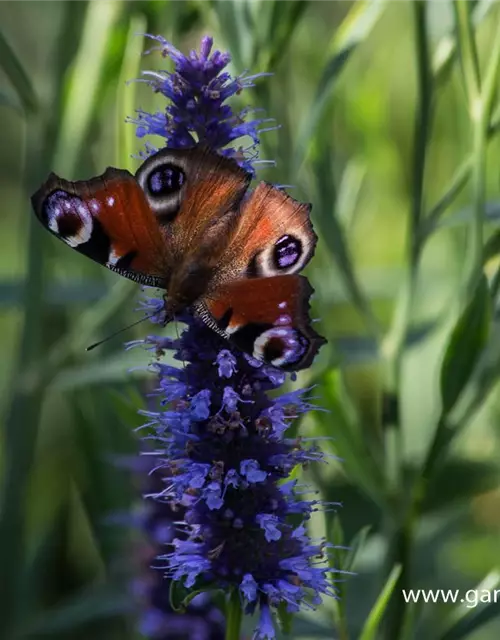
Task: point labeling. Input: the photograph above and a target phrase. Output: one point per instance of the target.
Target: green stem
(234, 616)
(476, 107)
(394, 342)
(480, 110)
(474, 265)
(467, 49)
(459, 179)
(402, 523)
(20, 430)
(457, 183)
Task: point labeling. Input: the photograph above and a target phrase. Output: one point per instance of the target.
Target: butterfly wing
(109, 220)
(211, 188)
(143, 226)
(268, 318)
(274, 236)
(256, 299)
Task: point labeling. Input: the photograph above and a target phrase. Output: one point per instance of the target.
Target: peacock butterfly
(187, 222)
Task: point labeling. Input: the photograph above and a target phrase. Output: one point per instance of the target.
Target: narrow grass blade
(349, 444)
(26, 399)
(20, 80)
(465, 618)
(446, 49)
(284, 19)
(6, 100)
(83, 85)
(100, 603)
(126, 141)
(372, 624)
(465, 346)
(355, 28)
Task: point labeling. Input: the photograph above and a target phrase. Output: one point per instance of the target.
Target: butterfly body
(188, 223)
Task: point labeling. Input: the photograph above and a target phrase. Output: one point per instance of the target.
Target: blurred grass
(389, 122)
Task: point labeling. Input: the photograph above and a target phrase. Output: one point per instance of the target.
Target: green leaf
(177, 593)
(465, 346)
(126, 141)
(469, 619)
(459, 481)
(14, 70)
(82, 91)
(99, 603)
(465, 215)
(357, 544)
(180, 596)
(114, 368)
(355, 28)
(375, 617)
(364, 349)
(284, 19)
(38, 581)
(446, 48)
(492, 246)
(6, 100)
(349, 442)
(26, 401)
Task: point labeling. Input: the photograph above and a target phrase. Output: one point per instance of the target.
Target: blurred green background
(388, 114)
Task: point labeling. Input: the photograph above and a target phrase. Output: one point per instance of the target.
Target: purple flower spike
(221, 444)
(227, 464)
(197, 90)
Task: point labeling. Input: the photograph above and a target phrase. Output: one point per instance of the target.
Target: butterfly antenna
(96, 344)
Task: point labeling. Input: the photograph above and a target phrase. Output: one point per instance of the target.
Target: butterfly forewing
(109, 220)
(213, 189)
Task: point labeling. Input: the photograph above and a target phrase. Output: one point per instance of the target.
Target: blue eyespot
(287, 252)
(165, 180)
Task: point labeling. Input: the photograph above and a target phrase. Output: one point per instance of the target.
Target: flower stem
(234, 616)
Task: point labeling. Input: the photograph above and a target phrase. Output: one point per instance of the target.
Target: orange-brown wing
(267, 318)
(109, 220)
(201, 210)
(274, 236)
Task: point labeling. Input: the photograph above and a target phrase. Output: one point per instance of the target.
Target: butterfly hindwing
(109, 220)
(274, 236)
(268, 318)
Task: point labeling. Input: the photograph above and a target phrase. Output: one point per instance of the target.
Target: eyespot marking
(287, 252)
(68, 217)
(166, 179)
(279, 346)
